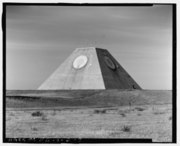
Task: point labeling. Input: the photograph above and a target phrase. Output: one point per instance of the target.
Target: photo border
(83, 140)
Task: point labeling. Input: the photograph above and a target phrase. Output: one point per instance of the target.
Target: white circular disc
(80, 62)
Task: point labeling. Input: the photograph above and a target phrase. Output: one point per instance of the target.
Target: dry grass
(75, 114)
(44, 117)
(54, 112)
(98, 98)
(86, 123)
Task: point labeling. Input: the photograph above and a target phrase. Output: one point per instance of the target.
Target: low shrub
(126, 129)
(34, 129)
(170, 118)
(158, 113)
(54, 112)
(100, 111)
(37, 114)
(44, 117)
(139, 114)
(139, 108)
(123, 114)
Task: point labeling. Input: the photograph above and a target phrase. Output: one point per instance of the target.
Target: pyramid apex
(89, 48)
(85, 48)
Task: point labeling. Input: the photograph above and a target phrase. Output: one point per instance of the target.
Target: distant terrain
(45, 98)
(89, 114)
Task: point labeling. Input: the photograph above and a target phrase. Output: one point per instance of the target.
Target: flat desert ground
(89, 114)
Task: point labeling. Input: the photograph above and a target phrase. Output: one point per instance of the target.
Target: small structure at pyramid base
(89, 68)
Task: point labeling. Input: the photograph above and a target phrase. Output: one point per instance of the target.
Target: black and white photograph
(89, 73)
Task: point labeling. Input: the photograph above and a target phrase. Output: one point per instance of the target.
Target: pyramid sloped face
(89, 68)
(80, 70)
(114, 76)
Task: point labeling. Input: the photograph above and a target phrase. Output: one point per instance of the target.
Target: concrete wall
(116, 78)
(96, 74)
(67, 77)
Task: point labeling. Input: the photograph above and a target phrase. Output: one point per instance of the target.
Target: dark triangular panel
(114, 76)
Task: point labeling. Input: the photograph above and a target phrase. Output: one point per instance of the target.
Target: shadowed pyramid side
(114, 75)
(80, 70)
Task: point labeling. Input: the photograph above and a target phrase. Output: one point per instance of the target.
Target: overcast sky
(40, 38)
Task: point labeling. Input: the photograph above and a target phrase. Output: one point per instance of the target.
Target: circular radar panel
(80, 61)
(109, 63)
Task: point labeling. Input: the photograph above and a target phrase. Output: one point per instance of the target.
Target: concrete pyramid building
(89, 68)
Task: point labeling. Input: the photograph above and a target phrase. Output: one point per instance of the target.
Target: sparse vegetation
(126, 129)
(97, 111)
(123, 114)
(158, 113)
(132, 100)
(44, 117)
(170, 118)
(90, 115)
(54, 119)
(11, 114)
(139, 114)
(8, 119)
(34, 129)
(54, 112)
(40, 114)
(115, 133)
(139, 108)
(37, 114)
